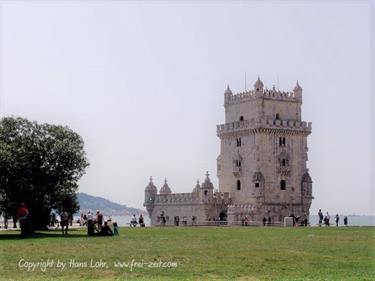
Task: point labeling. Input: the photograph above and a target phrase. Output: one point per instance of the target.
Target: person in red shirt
(23, 216)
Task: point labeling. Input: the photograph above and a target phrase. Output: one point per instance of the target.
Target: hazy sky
(143, 83)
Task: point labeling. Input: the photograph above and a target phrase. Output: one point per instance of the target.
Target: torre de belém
(261, 168)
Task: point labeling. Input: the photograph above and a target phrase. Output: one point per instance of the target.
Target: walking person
(328, 219)
(337, 218)
(345, 221)
(90, 224)
(116, 231)
(23, 217)
(64, 222)
(99, 219)
(320, 215)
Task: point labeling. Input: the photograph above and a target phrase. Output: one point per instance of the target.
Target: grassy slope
(201, 253)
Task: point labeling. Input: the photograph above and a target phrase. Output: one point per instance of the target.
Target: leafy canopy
(40, 165)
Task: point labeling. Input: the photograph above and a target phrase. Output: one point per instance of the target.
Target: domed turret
(207, 189)
(151, 187)
(165, 188)
(197, 187)
(258, 85)
(207, 184)
(150, 194)
(228, 91)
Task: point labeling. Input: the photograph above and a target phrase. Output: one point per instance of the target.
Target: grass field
(193, 253)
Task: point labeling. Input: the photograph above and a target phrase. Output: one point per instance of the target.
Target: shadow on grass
(15, 235)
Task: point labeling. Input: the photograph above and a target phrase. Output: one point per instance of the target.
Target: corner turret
(258, 87)
(197, 187)
(298, 91)
(150, 194)
(227, 95)
(207, 188)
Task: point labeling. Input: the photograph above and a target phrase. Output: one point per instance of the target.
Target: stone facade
(261, 167)
(199, 207)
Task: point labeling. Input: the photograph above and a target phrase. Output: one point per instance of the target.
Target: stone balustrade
(269, 123)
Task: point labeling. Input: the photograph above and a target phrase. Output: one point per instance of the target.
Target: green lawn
(198, 253)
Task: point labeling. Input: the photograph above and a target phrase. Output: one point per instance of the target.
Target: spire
(165, 188)
(298, 91)
(297, 88)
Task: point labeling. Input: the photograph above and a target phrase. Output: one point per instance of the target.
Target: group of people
(98, 227)
(326, 219)
(140, 221)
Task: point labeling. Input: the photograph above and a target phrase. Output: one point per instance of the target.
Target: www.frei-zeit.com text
(45, 264)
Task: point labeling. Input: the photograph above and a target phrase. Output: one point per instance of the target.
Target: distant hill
(88, 202)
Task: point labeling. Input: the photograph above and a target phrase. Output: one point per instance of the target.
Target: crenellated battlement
(266, 93)
(177, 198)
(236, 126)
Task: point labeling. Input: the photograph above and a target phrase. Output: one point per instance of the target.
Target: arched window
(257, 184)
(238, 185)
(277, 116)
(239, 142)
(282, 141)
(284, 162)
(282, 185)
(241, 118)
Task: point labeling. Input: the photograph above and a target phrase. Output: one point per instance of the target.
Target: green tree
(40, 165)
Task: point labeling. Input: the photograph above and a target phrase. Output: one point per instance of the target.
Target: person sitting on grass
(133, 221)
(141, 221)
(106, 230)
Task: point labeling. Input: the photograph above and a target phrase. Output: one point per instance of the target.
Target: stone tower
(263, 154)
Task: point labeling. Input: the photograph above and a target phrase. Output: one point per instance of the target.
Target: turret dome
(197, 187)
(151, 187)
(228, 91)
(258, 85)
(207, 182)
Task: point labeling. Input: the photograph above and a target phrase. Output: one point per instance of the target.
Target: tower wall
(270, 142)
